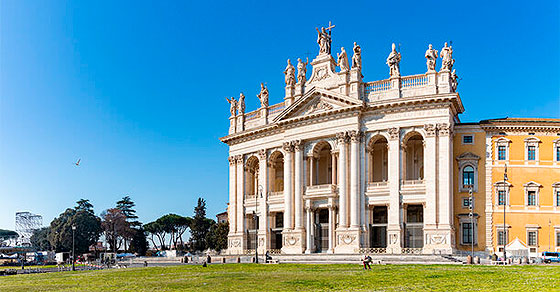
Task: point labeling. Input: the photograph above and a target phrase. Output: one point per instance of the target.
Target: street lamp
(505, 197)
(73, 248)
(256, 223)
(471, 207)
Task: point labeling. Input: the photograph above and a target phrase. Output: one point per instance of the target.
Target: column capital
(342, 137)
(444, 129)
(355, 136)
(288, 147)
(393, 133)
(430, 130)
(298, 145)
(239, 158)
(262, 154)
(231, 160)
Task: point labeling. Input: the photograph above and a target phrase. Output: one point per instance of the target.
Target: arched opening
(321, 165)
(468, 176)
(414, 149)
(251, 177)
(276, 183)
(378, 162)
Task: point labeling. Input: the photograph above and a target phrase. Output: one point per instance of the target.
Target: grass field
(288, 277)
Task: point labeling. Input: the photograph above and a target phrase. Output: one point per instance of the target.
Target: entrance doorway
(414, 227)
(378, 228)
(321, 230)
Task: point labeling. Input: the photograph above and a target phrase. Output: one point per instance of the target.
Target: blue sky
(137, 89)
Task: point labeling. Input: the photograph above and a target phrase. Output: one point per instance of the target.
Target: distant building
(222, 217)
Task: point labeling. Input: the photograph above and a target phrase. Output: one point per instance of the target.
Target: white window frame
(467, 219)
(463, 139)
(555, 145)
(532, 186)
(498, 229)
(464, 160)
(502, 142)
(529, 230)
(555, 189)
(532, 141)
(499, 186)
(556, 241)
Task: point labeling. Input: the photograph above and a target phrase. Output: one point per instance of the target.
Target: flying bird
(78, 162)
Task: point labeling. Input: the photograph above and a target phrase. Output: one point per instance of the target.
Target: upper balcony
(324, 190)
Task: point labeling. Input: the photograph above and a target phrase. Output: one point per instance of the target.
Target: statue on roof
(447, 58)
(232, 106)
(357, 57)
(454, 80)
(431, 58)
(343, 60)
(263, 96)
(241, 104)
(302, 70)
(393, 61)
(324, 39)
(290, 72)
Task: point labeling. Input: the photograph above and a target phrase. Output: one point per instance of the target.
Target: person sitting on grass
(367, 262)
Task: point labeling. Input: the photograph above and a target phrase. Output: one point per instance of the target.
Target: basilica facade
(345, 165)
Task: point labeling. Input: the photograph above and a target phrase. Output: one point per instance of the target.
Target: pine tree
(200, 226)
(126, 205)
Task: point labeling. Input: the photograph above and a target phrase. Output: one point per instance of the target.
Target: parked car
(549, 257)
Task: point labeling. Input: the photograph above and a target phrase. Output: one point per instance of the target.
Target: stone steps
(357, 259)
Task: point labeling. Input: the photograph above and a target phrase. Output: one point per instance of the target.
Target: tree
(217, 237)
(8, 235)
(88, 229)
(200, 226)
(84, 205)
(155, 228)
(175, 225)
(139, 243)
(126, 205)
(40, 239)
(115, 227)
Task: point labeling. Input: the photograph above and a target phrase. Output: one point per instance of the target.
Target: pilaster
(430, 180)
(444, 240)
(263, 243)
(394, 226)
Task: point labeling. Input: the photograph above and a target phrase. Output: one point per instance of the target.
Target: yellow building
(530, 150)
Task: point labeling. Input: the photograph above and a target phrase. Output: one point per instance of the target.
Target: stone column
(445, 185)
(311, 169)
(355, 214)
(298, 184)
(240, 224)
(263, 207)
(342, 186)
(333, 168)
(430, 210)
(288, 217)
(332, 219)
(308, 229)
(232, 196)
(394, 220)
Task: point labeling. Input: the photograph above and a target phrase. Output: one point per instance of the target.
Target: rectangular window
(502, 237)
(532, 238)
(557, 238)
(557, 153)
(501, 152)
(501, 197)
(467, 139)
(531, 152)
(558, 198)
(467, 233)
(531, 198)
(466, 202)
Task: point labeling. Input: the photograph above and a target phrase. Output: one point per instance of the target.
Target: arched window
(414, 149)
(468, 176)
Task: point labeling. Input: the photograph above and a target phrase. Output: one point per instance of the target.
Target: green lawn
(288, 277)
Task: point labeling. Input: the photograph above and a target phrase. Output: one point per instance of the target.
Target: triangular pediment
(317, 101)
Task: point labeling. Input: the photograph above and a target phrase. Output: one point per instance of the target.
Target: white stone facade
(344, 165)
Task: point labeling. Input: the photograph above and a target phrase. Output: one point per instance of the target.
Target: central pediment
(316, 101)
